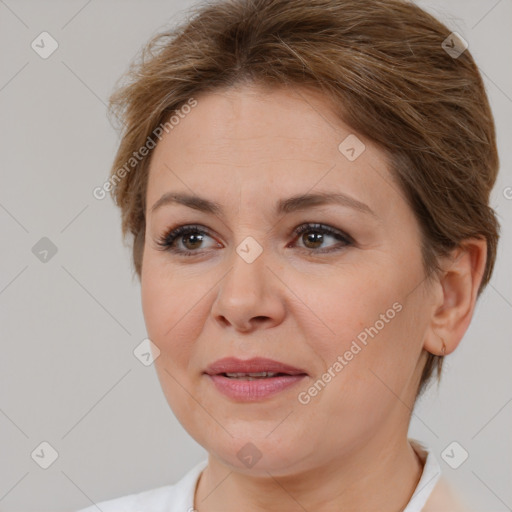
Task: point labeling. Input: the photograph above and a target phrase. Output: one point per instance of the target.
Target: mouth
(253, 379)
(257, 367)
(254, 375)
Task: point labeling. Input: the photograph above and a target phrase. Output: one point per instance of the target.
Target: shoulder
(433, 492)
(168, 498)
(444, 498)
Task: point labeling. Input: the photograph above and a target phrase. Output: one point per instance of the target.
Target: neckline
(429, 476)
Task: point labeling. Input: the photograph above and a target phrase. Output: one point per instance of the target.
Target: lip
(253, 390)
(254, 365)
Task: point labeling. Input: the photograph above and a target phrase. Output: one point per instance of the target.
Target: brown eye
(190, 237)
(314, 235)
(312, 241)
(189, 240)
(194, 240)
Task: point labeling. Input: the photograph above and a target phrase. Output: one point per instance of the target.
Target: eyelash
(165, 243)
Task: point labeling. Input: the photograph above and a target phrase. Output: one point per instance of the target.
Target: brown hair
(381, 63)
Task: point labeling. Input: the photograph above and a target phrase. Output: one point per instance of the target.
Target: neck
(380, 477)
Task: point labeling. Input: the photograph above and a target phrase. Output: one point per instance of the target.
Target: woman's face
(346, 310)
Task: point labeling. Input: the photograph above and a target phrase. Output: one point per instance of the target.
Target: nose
(250, 296)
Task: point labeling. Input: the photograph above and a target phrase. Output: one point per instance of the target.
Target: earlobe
(460, 280)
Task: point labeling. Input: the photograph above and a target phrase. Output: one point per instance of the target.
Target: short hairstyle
(384, 67)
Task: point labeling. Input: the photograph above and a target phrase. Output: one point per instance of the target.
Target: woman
(307, 184)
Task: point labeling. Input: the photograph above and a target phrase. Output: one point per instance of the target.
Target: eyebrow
(292, 204)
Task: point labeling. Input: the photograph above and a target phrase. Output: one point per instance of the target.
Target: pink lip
(252, 390)
(256, 364)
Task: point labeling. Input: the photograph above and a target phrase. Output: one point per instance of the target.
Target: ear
(458, 286)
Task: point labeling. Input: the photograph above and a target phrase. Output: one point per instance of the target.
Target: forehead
(245, 118)
(268, 141)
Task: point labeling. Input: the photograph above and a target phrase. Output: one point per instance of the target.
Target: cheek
(342, 305)
(164, 296)
(170, 328)
(360, 329)
(174, 317)
(157, 304)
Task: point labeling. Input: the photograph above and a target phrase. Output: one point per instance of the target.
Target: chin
(255, 453)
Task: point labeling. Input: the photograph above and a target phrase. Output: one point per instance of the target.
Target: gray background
(69, 326)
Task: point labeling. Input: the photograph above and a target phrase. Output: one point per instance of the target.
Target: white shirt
(432, 494)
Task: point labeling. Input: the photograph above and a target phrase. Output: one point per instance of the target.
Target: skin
(346, 449)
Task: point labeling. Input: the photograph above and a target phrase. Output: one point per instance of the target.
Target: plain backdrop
(69, 325)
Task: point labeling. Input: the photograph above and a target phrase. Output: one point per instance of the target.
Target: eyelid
(330, 230)
(178, 231)
(171, 235)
